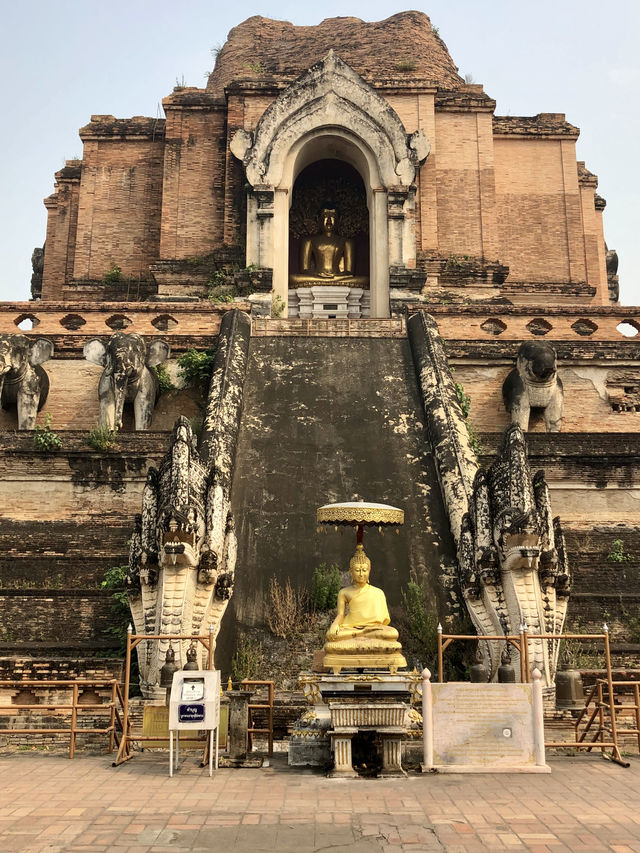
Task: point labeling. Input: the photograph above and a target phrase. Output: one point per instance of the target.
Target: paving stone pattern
(48, 803)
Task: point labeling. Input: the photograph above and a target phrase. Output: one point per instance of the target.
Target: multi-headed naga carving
(512, 557)
(182, 554)
(183, 550)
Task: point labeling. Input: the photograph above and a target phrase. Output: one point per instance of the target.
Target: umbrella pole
(359, 532)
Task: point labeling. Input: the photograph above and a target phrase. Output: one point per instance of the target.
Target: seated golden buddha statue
(327, 258)
(360, 635)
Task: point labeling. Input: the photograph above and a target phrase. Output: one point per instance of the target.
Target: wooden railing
(261, 706)
(74, 708)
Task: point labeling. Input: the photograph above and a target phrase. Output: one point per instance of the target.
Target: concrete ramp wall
(324, 419)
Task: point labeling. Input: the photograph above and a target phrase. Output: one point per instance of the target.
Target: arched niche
(331, 113)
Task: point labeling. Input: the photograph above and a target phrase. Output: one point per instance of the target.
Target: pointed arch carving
(331, 111)
(330, 95)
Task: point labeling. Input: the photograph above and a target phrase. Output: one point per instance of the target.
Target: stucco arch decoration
(330, 94)
(329, 101)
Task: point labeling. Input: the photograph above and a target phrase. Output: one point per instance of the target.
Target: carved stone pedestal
(348, 704)
(329, 300)
(392, 753)
(342, 757)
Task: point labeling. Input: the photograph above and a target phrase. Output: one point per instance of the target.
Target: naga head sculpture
(513, 568)
(182, 552)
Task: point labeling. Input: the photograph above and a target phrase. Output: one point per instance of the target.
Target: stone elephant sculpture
(534, 384)
(23, 382)
(127, 376)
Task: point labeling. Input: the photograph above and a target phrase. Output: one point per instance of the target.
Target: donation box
(195, 700)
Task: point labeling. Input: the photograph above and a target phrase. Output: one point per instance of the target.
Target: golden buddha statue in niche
(360, 635)
(327, 258)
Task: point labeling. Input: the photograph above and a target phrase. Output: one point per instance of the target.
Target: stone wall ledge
(601, 445)
(542, 124)
(46, 594)
(108, 127)
(74, 442)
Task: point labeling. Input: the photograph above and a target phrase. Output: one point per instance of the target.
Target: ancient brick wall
(120, 197)
(539, 209)
(61, 230)
(193, 178)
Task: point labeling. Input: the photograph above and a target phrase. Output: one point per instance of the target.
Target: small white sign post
(194, 706)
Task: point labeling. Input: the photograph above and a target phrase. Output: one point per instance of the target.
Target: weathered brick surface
(193, 181)
(120, 200)
(260, 45)
(54, 616)
(75, 482)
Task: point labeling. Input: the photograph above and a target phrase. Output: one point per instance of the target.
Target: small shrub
(44, 438)
(617, 554)
(247, 660)
(422, 625)
(163, 377)
(102, 438)
(277, 306)
(463, 399)
(421, 643)
(256, 67)
(407, 65)
(114, 275)
(465, 405)
(287, 614)
(195, 367)
(221, 293)
(325, 586)
(115, 580)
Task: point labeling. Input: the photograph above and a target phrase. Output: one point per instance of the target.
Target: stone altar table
(350, 703)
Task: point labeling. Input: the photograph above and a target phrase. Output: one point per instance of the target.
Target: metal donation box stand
(194, 705)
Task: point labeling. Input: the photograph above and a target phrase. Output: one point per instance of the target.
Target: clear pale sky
(62, 61)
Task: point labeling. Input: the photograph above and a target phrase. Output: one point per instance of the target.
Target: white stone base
(328, 301)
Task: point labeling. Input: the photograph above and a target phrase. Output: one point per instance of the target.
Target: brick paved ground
(48, 803)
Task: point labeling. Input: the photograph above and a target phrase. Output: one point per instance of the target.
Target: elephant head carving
(534, 384)
(23, 382)
(127, 376)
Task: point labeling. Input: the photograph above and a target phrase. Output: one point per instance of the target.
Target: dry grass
(288, 610)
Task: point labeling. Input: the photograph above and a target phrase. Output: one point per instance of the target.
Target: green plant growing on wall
(102, 438)
(115, 580)
(617, 554)
(465, 404)
(256, 67)
(325, 586)
(277, 306)
(407, 65)
(420, 642)
(422, 624)
(163, 377)
(247, 660)
(44, 438)
(114, 275)
(195, 367)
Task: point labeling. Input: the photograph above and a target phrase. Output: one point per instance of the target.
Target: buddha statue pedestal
(328, 301)
(347, 705)
(359, 700)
